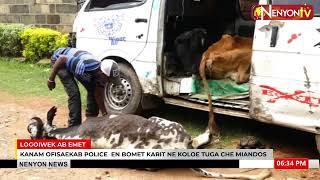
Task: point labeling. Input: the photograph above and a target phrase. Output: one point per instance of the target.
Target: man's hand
(61, 61)
(51, 84)
(99, 96)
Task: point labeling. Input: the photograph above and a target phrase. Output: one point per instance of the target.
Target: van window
(315, 3)
(112, 4)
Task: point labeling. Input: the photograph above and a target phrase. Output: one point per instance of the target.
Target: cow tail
(211, 123)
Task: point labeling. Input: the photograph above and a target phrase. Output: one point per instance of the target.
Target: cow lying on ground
(230, 57)
(127, 132)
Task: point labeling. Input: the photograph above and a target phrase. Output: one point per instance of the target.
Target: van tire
(317, 137)
(132, 88)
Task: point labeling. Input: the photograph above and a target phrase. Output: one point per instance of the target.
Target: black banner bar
(8, 163)
(154, 163)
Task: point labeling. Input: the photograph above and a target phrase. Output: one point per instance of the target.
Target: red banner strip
(54, 144)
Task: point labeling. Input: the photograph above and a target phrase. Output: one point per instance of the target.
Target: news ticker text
(145, 154)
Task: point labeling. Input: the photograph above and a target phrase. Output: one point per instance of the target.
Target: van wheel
(318, 141)
(125, 98)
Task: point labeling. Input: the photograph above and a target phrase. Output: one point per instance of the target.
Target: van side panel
(285, 79)
(119, 33)
(123, 29)
(145, 63)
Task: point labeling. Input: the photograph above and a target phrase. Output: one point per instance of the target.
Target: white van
(284, 86)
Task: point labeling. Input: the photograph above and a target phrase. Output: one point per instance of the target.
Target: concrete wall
(54, 14)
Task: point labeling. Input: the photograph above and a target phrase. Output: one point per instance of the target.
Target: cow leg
(243, 73)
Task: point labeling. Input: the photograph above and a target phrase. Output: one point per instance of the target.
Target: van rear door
(285, 76)
(114, 26)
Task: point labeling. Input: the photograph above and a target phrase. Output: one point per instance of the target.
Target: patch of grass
(229, 138)
(30, 80)
(194, 128)
(233, 129)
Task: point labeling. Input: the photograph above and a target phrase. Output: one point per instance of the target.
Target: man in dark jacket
(72, 64)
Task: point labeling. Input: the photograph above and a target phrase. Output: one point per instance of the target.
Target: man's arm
(58, 65)
(99, 96)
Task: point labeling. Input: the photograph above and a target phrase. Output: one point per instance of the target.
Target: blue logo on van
(109, 26)
(115, 40)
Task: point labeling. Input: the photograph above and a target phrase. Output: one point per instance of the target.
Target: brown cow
(230, 57)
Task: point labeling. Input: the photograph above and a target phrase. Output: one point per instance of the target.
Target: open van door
(117, 26)
(285, 75)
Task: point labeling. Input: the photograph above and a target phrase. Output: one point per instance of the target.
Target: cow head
(35, 128)
(39, 130)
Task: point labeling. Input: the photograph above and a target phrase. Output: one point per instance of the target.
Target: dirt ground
(15, 113)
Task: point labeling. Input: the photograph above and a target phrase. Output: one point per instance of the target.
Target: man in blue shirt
(72, 64)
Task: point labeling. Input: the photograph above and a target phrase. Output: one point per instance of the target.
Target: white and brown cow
(129, 132)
